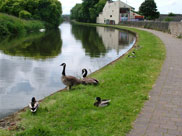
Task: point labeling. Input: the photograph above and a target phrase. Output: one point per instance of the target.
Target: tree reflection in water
(98, 41)
(114, 38)
(36, 46)
(90, 39)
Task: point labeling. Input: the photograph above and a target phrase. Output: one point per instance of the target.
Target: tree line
(49, 11)
(88, 10)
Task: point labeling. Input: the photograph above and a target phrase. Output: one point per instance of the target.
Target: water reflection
(114, 39)
(91, 42)
(37, 46)
(29, 65)
(97, 41)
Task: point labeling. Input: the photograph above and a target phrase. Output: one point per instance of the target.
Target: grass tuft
(10, 25)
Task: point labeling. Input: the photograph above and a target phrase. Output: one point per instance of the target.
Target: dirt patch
(10, 122)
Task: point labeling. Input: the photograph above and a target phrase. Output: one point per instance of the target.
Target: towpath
(162, 113)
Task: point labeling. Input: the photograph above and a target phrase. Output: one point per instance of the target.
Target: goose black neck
(63, 72)
(85, 74)
(32, 104)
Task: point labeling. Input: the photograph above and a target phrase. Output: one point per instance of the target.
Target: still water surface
(29, 65)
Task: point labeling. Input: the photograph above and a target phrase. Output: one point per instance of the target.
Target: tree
(88, 10)
(149, 10)
(171, 14)
(49, 11)
(25, 14)
(76, 12)
(1, 1)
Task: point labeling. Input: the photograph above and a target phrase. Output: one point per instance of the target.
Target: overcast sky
(164, 6)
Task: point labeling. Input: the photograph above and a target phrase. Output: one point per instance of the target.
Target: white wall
(111, 11)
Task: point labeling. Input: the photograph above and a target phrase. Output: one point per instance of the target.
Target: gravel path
(162, 114)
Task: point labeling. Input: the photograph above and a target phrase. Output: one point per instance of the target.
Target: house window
(110, 15)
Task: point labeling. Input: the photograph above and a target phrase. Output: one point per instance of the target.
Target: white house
(116, 11)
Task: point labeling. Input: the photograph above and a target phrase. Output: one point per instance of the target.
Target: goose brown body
(88, 80)
(69, 81)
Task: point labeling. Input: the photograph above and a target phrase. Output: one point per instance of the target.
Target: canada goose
(33, 105)
(88, 80)
(69, 81)
(101, 103)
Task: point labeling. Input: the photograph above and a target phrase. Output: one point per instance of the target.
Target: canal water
(30, 65)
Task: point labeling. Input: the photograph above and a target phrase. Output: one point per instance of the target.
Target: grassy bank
(126, 82)
(10, 25)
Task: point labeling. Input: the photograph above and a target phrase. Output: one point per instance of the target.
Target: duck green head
(98, 99)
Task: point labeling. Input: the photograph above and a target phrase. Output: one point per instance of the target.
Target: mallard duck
(88, 80)
(131, 56)
(69, 81)
(101, 103)
(33, 105)
(133, 53)
(138, 47)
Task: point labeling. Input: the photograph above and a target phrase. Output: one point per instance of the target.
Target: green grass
(126, 82)
(179, 36)
(10, 25)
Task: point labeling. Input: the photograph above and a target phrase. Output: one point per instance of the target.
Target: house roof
(110, 1)
(126, 4)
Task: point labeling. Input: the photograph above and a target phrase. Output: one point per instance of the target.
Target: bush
(168, 19)
(179, 36)
(25, 14)
(3, 30)
(12, 25)
(171, 14)
(49, 11)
